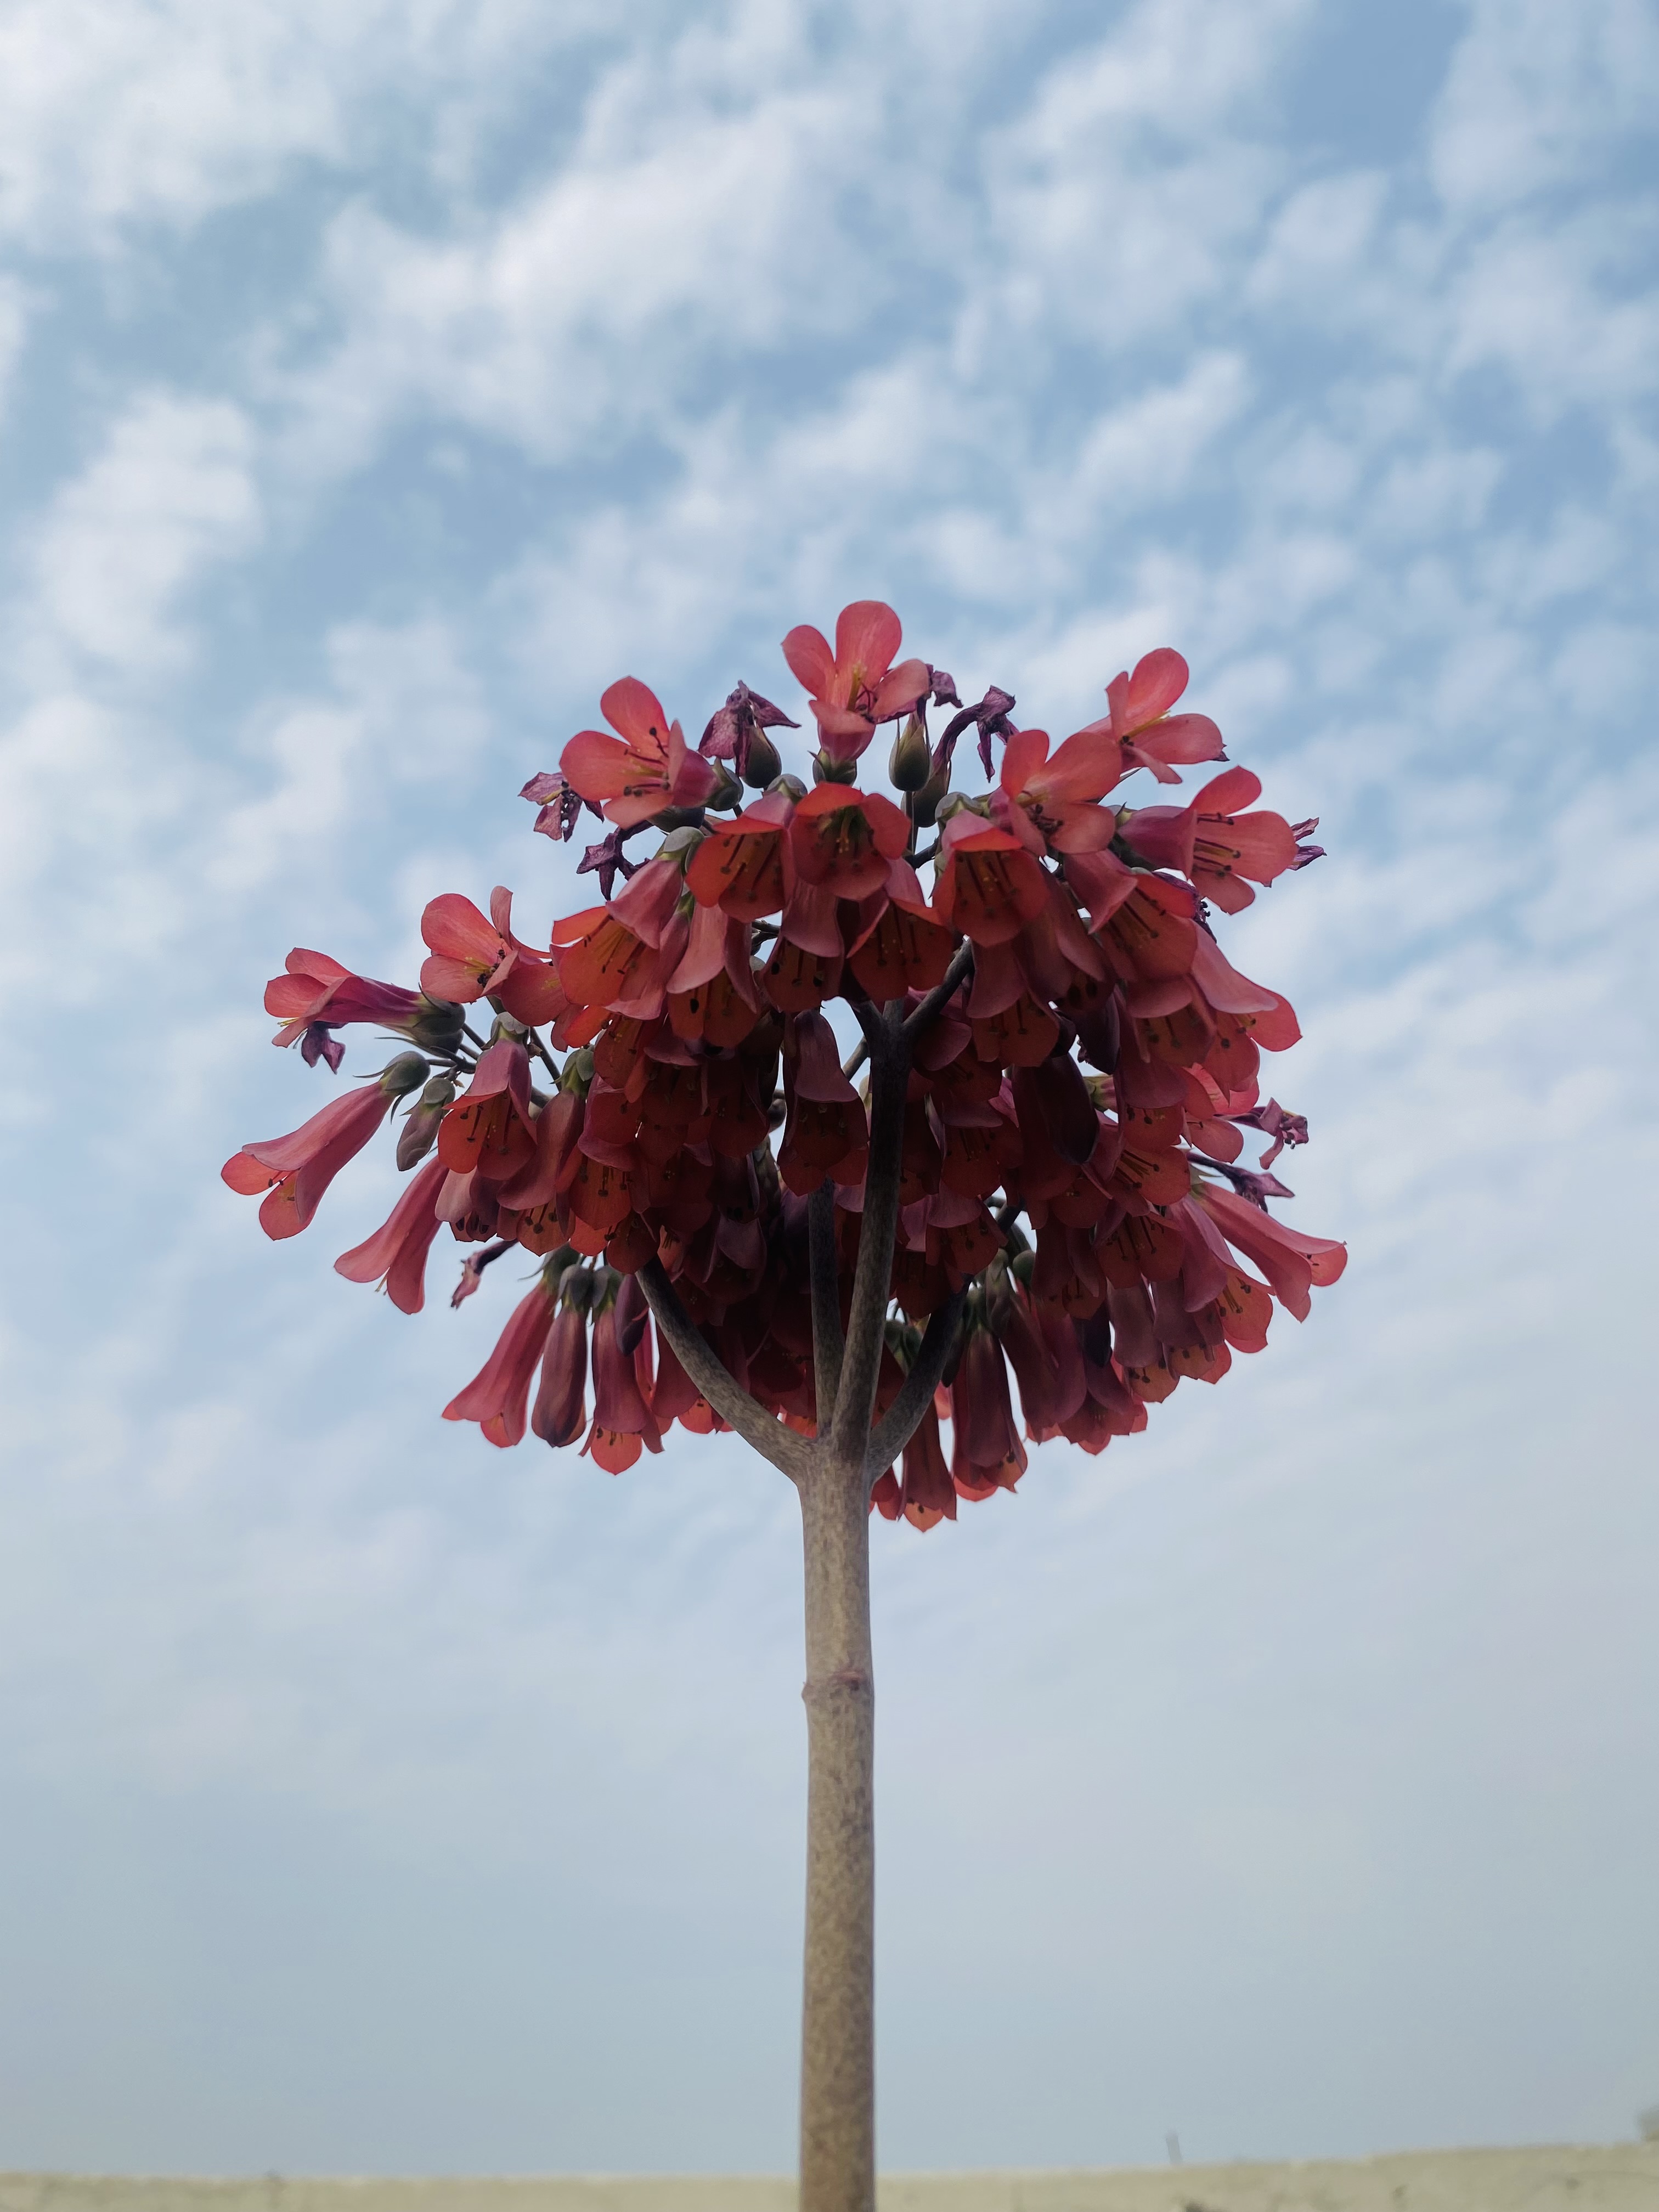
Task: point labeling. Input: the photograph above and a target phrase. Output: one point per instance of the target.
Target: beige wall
(1611, 2178)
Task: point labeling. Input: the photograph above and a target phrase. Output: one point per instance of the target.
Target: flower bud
(401, 1076)
(924, 802)
(420, 1131)
(578, 1072)
(912, 760)
(826, 770)
(436, 1025)
(762, 761)
(1024, 1266)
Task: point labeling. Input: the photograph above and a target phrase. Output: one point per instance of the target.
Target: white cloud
(169, 494)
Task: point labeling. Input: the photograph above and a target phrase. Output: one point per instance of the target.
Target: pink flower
(1217, 846)
(856, 686)
(842, 839)
(989, 886)
(647, 769)
(317, 995)
(395, 1256)
(560, 1413)
(746, 867)
(622, 1421)
(472, 958)
(1050, 802)
(926, 1495)
(1138, 716)
(488, 1128)
(499, 1394)
(294, 1171)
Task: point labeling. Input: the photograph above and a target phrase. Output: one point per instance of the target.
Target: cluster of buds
(653, 1103)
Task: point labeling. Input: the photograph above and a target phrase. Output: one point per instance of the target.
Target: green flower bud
(437, 1026)
(911, 762)
(405, 1073)
(763, 763)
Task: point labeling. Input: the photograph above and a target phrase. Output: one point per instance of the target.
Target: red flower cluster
(1079, 1062)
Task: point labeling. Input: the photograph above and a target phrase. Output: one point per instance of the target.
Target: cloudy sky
(380, 381)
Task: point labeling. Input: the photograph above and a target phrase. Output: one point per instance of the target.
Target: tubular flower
(294, 1171)
(316, 995)
(395, 1256)
(856, 686)
(987, 1454)
(989, 885)
(747, 867)
(645, 770)
(1217, 846)
(498, 1394)
(651, 1098)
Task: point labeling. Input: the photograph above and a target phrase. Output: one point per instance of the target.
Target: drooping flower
(622, 1421)
(294, 1171)
(844, 840)
(987, 1454)
(497, 1396)
(395, 1256)
(989, 886)
(645, 770)
(488, 1130)
(560, 1413)
(747, 867)
(826, 1126)
(856, 686)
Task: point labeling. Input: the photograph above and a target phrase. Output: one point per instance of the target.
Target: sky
(377, 383)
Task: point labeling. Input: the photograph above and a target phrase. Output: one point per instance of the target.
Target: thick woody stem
(837, 2108)
(890, 1072)
(904, 1415)
(768, 1436)
(826, 1301)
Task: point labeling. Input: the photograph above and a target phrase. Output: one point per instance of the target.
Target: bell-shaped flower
(623, 956)
(645, 770)
(857, 686)
(804, 966)
(988, 885)
(498, 1395)
(987, 1452)
(489, 1129)
(1051, 803)
(712, 993)
(622, 1421)
(294, 1171)
(843, 840)
(318, 992)
(826, 1123)
(559, 1413)
(1292, 1261)
(902, 947)
(395, 1256)
(746, 867)
(1216, 844)
(926, 1494)
(1041, 1346)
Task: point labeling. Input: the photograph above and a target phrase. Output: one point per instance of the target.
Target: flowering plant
(1030, 1160)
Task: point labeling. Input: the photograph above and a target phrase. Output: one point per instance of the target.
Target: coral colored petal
(1157, 681)
(867, 633)
(811, 661)
(458, 981)
(1183, 738)
(598, 766)
(453, 927)
(900, 690)
(632, 708)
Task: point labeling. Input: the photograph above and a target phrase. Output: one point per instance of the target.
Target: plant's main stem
(838, 2084)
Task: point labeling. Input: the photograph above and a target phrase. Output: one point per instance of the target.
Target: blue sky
(379, 382)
